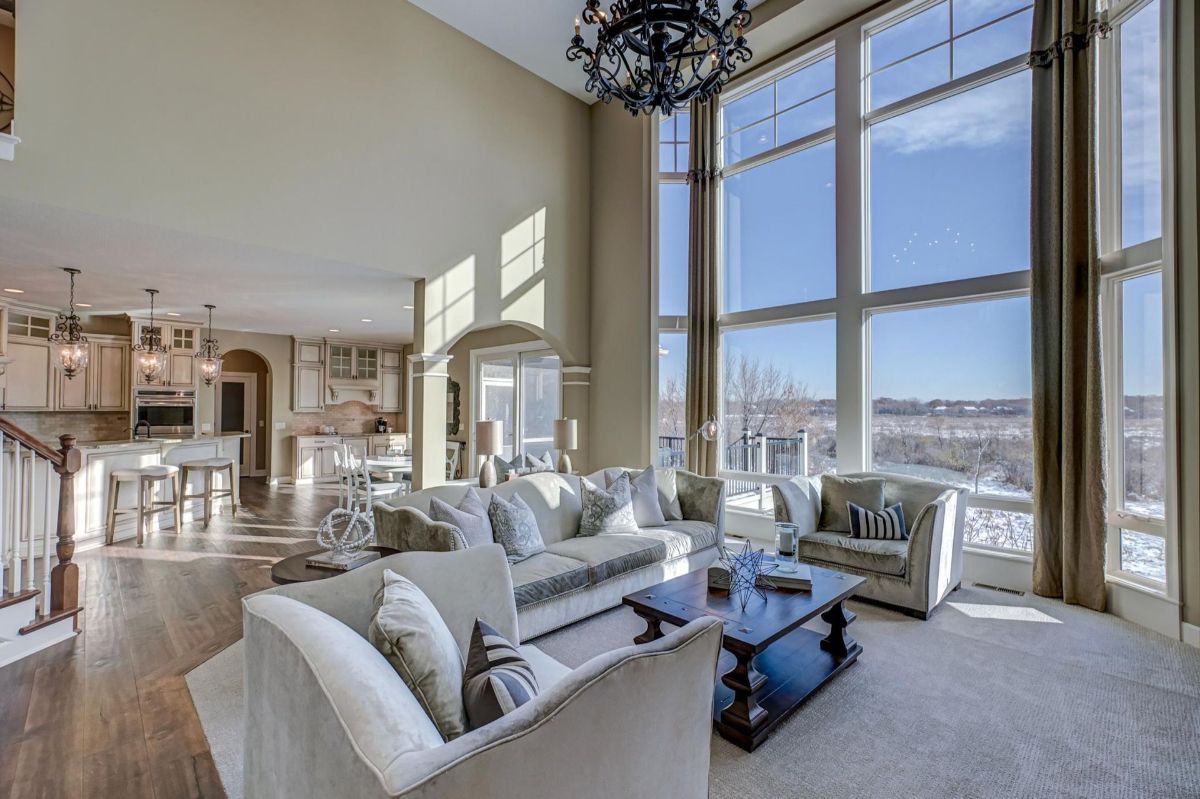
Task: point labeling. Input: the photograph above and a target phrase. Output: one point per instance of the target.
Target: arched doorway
(243, 403)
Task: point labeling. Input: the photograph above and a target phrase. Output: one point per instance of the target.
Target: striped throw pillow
(498, 680)
(886, 525)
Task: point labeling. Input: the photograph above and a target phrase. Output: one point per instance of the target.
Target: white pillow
(646, 508)
(411, 634)
(668, 494)
(608, 511)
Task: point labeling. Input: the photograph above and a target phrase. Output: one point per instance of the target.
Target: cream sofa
(576, 576)
(327, 715)
(913, 576)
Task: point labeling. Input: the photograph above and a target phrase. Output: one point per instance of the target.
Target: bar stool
(148, 479)
(211, 467)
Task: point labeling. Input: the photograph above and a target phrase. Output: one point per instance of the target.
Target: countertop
(122, 443)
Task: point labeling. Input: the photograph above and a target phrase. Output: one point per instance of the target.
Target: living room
(832, 377)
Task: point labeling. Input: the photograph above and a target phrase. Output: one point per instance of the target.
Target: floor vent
(1001, 589)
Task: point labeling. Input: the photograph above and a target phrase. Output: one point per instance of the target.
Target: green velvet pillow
(865, 492)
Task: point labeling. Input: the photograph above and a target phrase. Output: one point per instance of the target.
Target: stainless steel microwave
(167, 411)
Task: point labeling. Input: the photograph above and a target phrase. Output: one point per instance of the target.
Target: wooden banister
(64, 577)
(40, 447)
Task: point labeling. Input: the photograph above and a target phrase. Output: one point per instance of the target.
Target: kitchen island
(100, 458)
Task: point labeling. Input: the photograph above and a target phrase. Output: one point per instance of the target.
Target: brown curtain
(703, 339)
(1068, 420)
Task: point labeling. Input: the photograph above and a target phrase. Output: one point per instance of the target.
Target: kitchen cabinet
(359, 445)
(382, 444)
(314, 458)
(180, 340)
(103, 385)
(308, 393)
(391, 381)
(29, 378)
(352, 363)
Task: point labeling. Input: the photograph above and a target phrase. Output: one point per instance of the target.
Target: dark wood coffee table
(294, 569)
(770, 664)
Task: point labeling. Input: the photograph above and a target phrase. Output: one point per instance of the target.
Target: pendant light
(209, 355)
(149, 355)
(69, 343)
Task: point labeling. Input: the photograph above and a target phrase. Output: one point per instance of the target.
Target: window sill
(1141, 588)
(1000, 554)
(8, 146)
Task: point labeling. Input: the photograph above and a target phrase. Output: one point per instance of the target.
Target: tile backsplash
(349, 418)
(84, 425)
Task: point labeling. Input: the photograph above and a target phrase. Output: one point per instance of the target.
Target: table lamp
(489, 441)
(566, 436)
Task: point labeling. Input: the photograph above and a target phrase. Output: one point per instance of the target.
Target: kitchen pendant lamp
(69, 345)
(149, 355)
(209, 355)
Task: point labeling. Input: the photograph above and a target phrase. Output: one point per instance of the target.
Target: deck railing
(756, 454)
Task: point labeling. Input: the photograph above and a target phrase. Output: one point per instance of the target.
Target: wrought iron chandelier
(149, 354)
(659, 55)
(69, 344)
(209, 355)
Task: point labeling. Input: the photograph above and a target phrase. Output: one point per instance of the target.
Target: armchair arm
(797, 501)
(640, 707)
(935, 546)
(409, 530)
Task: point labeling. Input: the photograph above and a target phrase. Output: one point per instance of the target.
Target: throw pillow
(515, 526)
(886, 525)
(548, 462)
(668, 494)
(470, 517)
(410, 633)
(865, 492)
(608, 511)
(646, 510)
(503, 468)
(498, 680)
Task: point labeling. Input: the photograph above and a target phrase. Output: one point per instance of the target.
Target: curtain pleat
(1068, 419)
(703, 337)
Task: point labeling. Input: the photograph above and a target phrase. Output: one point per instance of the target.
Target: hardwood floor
(108, 714)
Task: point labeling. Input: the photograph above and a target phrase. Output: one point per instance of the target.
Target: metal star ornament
(747, 574)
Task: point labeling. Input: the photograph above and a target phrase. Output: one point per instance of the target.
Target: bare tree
(671, 406)
(761, 398)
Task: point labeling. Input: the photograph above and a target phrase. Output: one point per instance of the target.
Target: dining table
(391, 465)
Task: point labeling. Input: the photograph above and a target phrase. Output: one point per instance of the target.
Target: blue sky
(948, 198)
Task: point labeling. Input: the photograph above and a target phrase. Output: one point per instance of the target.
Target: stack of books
(799, 580)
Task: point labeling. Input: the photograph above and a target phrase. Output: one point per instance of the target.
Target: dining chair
(367, 489)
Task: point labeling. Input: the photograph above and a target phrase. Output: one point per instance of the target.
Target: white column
(429, 381)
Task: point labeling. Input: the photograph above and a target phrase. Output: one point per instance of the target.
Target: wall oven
(167, 411)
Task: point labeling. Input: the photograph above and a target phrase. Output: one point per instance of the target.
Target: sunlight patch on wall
(449, 305)
(522, 261)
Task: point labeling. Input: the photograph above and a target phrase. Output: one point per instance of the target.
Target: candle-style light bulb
(576, 26)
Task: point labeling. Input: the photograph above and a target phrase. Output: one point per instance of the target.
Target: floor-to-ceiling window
(1135, 322)
(671, 284)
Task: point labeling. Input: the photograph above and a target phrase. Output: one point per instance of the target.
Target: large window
(520, 386)
(1132, 260)
(672, 287)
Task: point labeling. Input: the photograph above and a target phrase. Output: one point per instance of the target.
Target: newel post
(64, 577)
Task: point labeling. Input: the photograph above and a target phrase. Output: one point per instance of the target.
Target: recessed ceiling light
(172, 313)
(15, 291)
(83, 305)
(408, 307)
(366, 320)
(334, 330)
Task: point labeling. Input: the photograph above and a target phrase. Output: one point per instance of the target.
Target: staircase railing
(29, 496)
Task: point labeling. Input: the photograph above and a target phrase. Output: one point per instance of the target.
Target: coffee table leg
(744, 715)
(837, 643)
(653, 630)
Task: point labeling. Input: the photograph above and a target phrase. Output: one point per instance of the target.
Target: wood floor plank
(108, 714)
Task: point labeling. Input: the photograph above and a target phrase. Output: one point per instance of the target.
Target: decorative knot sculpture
(345, 533)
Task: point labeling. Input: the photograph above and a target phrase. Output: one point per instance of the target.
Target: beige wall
(363, 131)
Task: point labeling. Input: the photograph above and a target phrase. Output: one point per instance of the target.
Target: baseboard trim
(1191, 634)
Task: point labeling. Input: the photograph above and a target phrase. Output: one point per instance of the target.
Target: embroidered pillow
(608, 511)
(470, 517)
(885, 525)
(647, 511)
(410, 633)
(515, 526)
(497, 680)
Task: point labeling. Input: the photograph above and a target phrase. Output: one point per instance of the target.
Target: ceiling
(289, 294)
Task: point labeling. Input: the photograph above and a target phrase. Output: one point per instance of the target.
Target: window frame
(518, 352)
(1119, 264)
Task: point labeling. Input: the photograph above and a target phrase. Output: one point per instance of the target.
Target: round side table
(294, 569)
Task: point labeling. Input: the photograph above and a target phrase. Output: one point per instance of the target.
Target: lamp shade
(566, 434)
(489, 437)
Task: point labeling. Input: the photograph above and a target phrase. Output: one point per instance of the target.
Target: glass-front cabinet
(352, 363)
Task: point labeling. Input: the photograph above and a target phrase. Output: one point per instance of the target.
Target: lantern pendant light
(209, 354)
(69, 344)
(149, 355)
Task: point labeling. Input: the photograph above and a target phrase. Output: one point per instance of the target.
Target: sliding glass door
(521, 387)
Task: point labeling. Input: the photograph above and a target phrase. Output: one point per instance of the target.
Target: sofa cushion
(647, 509)
(863, 554)
(684, 537)
(837, 490)
(515, 526)
(609, 556)
(607, 511)
(545, 576)
(912, 493)
(470, 517)
(498, 679)
(668, 494)
(411, 634)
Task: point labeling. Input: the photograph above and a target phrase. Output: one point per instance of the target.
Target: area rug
(996, 696)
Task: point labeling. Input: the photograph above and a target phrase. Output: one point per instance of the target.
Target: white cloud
(983, 117)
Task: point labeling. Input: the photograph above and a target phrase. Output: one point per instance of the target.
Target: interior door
(236, 397)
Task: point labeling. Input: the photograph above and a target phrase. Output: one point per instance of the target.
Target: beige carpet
(996, 696)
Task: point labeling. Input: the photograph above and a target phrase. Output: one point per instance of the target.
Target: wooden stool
(211, 467)
(148, 478)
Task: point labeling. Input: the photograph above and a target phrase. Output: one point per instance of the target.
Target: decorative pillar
(576, 388)
(429, 375)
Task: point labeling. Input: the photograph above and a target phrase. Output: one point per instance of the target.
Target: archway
(243, 401)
